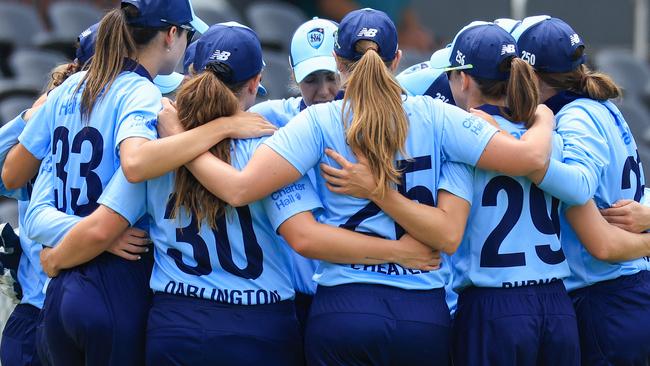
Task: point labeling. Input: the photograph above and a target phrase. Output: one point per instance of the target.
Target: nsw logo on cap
(315, 37)
(367, 32)
(220, 55)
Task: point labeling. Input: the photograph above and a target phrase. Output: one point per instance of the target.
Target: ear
(396, 60)
(464, 81)
(253, 83)
(171, 36)
(339, 65)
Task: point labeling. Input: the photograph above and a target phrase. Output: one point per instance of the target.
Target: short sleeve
(457, 179)
(300, 142)
(129, 200)
(291, 200)
(464, 136)
(9, 134)
(37, 135)
(139, 115)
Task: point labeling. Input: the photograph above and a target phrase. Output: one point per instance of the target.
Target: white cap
(312, 46)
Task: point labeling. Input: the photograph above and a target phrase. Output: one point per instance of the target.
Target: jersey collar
(495, 110)
(559, 100)
(133, 66)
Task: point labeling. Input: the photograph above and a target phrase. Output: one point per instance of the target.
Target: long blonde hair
(378, 126)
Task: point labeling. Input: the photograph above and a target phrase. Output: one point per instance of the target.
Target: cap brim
(168, 83)
(199, 25)
(440, 58)
(306, 67)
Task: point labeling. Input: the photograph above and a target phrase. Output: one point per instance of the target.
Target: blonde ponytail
(379, 125)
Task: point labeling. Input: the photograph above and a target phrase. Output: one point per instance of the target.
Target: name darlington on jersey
(228, 296)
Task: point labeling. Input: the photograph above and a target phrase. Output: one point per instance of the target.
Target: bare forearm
(76, 248)
(331, 244)
(154, 158)
(427, 224)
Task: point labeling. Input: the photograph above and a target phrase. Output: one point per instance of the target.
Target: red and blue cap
(549, 44)
(366, 24)
(162, 13)
(479, 49)
(232, 44)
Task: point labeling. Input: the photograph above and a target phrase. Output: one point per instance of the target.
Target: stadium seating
(275, 23)
(10, 107)
(276, 75)
(68, 20)
(216, 11)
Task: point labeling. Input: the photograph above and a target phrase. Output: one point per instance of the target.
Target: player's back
(613, 155)
(85, 151)
(512, 237)
(436, 133)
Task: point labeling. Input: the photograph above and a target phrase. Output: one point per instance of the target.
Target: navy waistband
(27, 309)
(544, 288)
(163, 298)
(376, 289)
(636, 279)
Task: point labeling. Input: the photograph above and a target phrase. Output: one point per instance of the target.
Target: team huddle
(472, 210)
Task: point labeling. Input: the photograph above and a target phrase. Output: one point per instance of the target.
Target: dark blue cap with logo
(188, 59)
(232, 44)
(87, 40)
(366, 24)
(480, 48)
(162, 13)
(549, 44)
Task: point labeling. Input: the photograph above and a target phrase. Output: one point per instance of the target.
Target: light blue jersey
(85, 153)
(437, 133)
(513, 232)
(242, 262)
(600, 160)
(280, 112)
(30, 273)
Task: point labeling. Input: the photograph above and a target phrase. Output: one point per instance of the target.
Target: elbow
(133, 171)
(9, 179)
(602, 253)
(535, 162)
(239, 198)
(301, 243)
(452, 242)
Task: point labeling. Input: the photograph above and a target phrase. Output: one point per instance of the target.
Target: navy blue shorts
(96, 314)
(614, 321)
(364, 324)
(18, 346)
(303, 304)
(192, 331)
(532, 325)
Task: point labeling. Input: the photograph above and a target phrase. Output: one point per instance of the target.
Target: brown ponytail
(520, 90)
(193, 111)
(116, 41)
(379, 124)
(582, 80)
(522, 96)
(114, 44)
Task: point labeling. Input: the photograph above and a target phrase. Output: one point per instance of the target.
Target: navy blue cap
(232, 44)
(368, 24)
(87, 41)
(162, 13)
(480, 48)
(188, 59)
(549, 44)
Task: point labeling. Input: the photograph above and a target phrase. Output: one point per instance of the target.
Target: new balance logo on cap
(367, 32)
(85, 33)
(220, 55)
(575, 39)
(507, 49)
